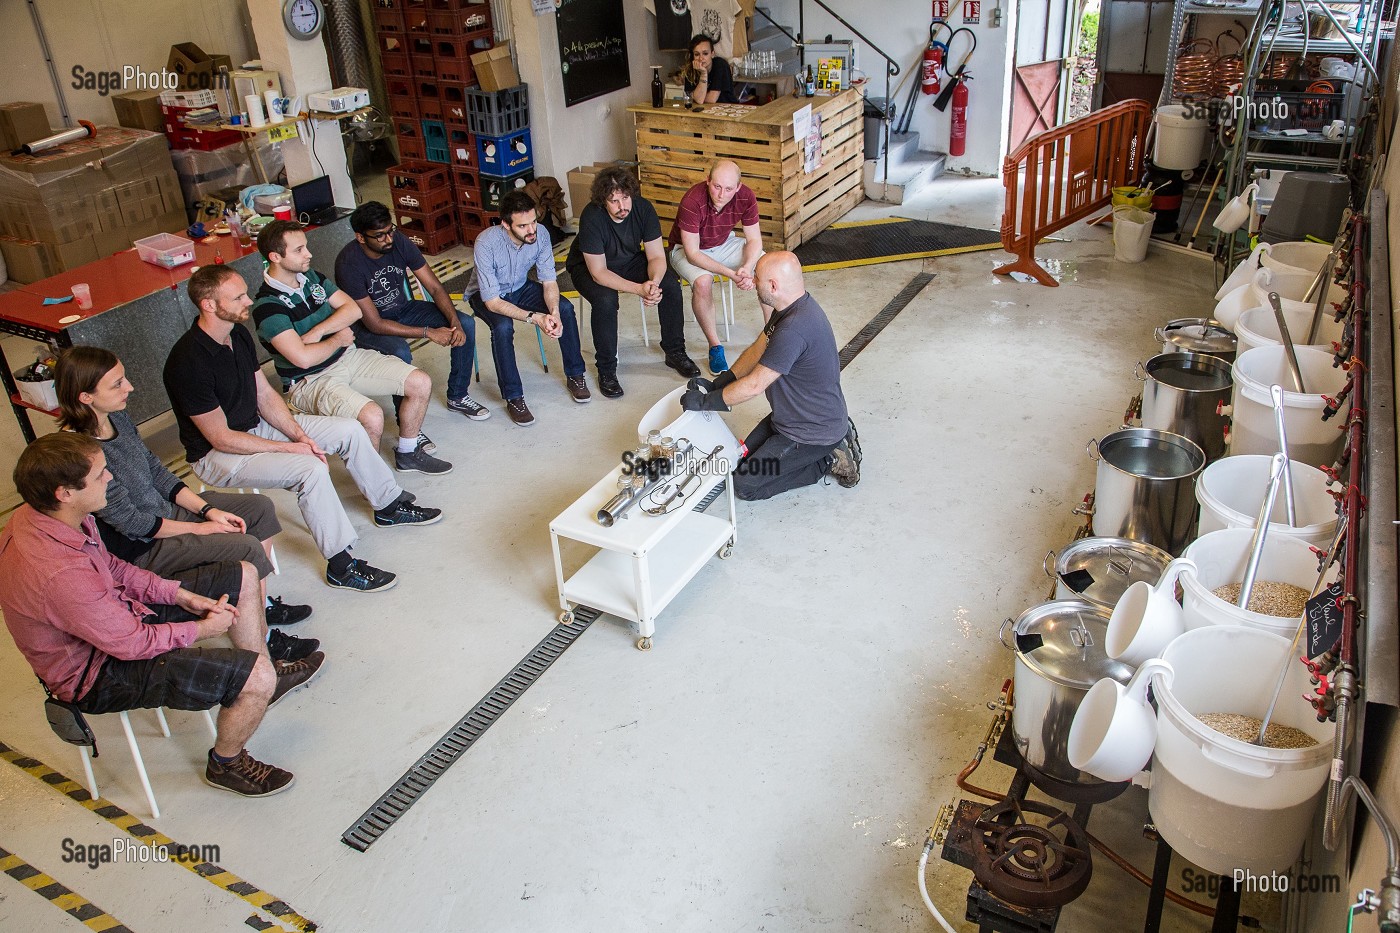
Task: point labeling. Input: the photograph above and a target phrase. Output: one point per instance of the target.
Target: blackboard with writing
(592, 48)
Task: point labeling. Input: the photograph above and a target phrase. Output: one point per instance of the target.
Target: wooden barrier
(675, 149)
(1066, 174)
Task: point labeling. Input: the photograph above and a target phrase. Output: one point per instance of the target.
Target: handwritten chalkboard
(592, 48)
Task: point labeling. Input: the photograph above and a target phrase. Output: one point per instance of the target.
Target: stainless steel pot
(1185, 393)
(1099, 570)
(1197, 335)
(1145, 487)
(1059, 655)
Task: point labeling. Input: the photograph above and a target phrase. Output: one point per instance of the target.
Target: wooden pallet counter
(675, 148)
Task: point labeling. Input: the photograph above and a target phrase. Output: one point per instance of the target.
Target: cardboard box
(246, 83)
(197, 69)
(139, 110)
(580, 181)
(494, 69)
(22, 122)
(26, 260)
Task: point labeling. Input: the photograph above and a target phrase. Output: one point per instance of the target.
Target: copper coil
(1194, 74)
(1229, 71)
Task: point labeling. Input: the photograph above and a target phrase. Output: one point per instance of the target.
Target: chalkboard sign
(592, 48)
(1324, 612)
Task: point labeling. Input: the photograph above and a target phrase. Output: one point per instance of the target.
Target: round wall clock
(304, 18)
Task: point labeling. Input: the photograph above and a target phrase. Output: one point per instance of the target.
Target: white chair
(136, 755)
(723, 287)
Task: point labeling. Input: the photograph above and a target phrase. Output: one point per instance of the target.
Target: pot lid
(1101, 569)
(1064, 641)
(1199, 335)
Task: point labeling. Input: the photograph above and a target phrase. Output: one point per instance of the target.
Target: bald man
(794, 362)
(703, 245)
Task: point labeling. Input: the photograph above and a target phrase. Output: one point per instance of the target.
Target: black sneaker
(247, 776)
(294, 674)
(361, 576)
(425, 444)
(282, 647)
(404, 512)
(280, 613)
(682, 364)
(420, 461)
(853, 442)
(609, 386)
(844, 466)
(469, 407)
(519, 412)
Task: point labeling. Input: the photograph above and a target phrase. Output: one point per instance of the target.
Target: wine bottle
(658, 89)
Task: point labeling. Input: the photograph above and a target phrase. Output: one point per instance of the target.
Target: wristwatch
(204, 512)
(528, 316)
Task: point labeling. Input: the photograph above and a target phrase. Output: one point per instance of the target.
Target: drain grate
(416, 780)
(878, 323)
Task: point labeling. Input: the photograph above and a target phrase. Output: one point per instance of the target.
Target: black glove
(722, 380)
(700, 382)
(696, 400)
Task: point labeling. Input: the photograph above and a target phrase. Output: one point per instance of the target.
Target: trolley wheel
(643, 644)
(566, 618)
(725, 552)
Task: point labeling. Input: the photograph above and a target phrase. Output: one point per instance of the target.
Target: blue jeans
(426, 314)
(528, 297)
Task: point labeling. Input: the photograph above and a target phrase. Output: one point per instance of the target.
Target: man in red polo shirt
(703, 245)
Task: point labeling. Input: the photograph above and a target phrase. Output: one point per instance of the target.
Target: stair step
(908, 175)
(903, 146)
(770, 39)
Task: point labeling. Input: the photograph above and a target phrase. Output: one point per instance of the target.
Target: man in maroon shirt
(81, 619)
(703, 245)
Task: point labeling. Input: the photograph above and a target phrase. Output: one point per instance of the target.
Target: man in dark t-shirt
(619, 249)
(795, 363)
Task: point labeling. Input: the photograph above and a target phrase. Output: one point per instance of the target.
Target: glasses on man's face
(384, 234)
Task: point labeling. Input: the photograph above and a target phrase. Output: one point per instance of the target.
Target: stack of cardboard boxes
(85, 200)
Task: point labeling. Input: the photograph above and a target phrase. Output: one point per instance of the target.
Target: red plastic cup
(282, 212)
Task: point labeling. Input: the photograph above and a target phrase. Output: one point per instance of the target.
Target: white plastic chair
(136, 755)
(724, 288)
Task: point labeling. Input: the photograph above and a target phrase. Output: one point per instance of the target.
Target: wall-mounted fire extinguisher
(957, 136)
(934, 57)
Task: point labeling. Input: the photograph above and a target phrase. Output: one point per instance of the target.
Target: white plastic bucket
(1310, 439)
(1231, 492)
(1180, 136)
(1220, 559)
(1296, 256)
(1132, 231)
(1298, 261)
(1221, 803)
(1258, 327)
(704, 429)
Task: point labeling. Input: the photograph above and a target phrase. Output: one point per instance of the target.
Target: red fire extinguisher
(957, 138)
(933, 60)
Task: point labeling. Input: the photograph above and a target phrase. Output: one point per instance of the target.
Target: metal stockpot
(1145, 487)
(1197, 335)
(1059, 655)
(1185, 393)
(1099, 570)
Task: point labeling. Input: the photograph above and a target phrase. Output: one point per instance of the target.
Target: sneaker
(609, 386)
(682, 364)
(425, 444)
(280, 613)
(844, 466)
(853, 442)
(282, 647)
(420, 461)
(361, 576)
(247, 776)
(578, 388)
(294, 674)
(404, 512)
(469, 407)
(519, 412)
(718, 363)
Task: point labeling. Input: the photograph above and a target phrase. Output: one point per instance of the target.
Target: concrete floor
(775, 761)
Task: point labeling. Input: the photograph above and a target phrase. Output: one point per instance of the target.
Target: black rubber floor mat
(865, 243)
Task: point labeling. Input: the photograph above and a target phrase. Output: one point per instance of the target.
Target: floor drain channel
(878, 323)
(417, 779)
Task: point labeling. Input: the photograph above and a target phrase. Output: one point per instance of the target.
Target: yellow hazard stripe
(875, 260)
(133, 826)
(870, 223)
(66, 900)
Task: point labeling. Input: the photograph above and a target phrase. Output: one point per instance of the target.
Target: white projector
(338, 100)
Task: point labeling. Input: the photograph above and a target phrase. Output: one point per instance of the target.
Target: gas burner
(1030, 854)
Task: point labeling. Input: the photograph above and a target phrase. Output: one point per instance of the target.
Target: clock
(303, 18)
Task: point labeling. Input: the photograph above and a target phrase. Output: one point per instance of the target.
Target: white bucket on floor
(1220, 559)
(1132, 231)
(704, 429)
(1231, 492)
(1310, 439)
(1221, 803)
(1297, 256)
(1258, 327)
(1181, 134)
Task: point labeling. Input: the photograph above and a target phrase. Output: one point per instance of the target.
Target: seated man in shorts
(109, 636)
(304, 322)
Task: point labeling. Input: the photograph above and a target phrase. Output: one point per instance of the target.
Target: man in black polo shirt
(619, 249)
(237, 431)
(795, 363)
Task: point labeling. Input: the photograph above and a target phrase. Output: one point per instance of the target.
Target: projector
(338, 100)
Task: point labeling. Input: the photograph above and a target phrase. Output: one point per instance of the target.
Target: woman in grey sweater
(152, 519)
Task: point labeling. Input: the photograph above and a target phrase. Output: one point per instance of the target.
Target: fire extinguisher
(957, 137)
(934, 56)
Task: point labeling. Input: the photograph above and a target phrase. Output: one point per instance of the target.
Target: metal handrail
(776, 25)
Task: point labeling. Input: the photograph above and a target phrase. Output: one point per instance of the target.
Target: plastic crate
(431, 233)
(405, 88)
(471, 222)
(448, 6)
(388, 21)
(464, 177)
(427, 202)
(495, 113)
(458, 71)
(405, 128)
(505, 156)
(417, 20)
(1289, 105)
(435, 139)
(424, 66)
(388, 4)
(454, 104)
(429, 99)
(396, 64)
(417, 177)
(165, 250)
(403, 108)
(473, 23)
(411, 149)
(461, 147)
(392, 43)
(493, 189)
(467, 192)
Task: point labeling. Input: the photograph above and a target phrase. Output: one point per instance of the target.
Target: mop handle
(1302, 627)
(1261, 531)
(1276, 393)
(1287, 342)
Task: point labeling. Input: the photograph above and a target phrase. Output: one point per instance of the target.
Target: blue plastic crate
(505, 156)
